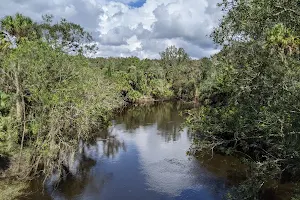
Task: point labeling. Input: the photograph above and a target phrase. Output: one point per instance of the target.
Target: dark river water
(141, 156)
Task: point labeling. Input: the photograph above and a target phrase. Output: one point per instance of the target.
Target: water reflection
(165, 115)
(142, 155)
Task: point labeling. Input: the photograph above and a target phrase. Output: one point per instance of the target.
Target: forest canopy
(52, 96)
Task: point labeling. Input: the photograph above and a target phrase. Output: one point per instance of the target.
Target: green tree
(49, 98)
(251, 93)
(68, 36)
(20, 27)
(249, 20)
(173, 56)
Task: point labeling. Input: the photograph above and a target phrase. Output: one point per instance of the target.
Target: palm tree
(20, 27)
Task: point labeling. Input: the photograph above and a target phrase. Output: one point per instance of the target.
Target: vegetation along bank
(52, 96)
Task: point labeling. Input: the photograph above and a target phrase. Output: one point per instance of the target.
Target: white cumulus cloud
(123, 30)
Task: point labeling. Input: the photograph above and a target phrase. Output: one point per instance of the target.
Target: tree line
(51, 95)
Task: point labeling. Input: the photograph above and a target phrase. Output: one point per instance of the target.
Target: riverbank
(151, 134)
(17, 188)
(133, 116)
(11, 190)
(145, 143)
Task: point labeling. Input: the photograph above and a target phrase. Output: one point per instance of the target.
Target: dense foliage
(174, 76)
(51, 96)
(251, 94)
(49, 99)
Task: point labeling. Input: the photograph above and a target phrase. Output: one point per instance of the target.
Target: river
(142, 155)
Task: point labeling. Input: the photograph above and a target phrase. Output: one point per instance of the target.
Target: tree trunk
(19, 106)
(196, 95)
(20, 110)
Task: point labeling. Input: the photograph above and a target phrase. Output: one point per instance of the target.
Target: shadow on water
(141, 156)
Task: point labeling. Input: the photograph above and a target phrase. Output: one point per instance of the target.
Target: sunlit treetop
(66, 35)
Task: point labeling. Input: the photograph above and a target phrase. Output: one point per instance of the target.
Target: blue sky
(137, 4)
